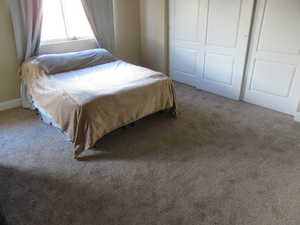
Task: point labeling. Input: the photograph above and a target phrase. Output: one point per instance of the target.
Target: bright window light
(65, 20)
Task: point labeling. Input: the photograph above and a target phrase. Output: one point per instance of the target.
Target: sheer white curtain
(101, 18)
(27, 23)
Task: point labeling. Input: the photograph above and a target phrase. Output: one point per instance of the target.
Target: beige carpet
(220, 163)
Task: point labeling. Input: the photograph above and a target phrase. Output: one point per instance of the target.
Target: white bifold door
(209, 42)
(273, 73)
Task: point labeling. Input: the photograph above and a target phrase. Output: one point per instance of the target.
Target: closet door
(273, 73)
(208, 43)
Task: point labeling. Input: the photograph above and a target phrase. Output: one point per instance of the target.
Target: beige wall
(154, 35)
(8, 65)
(127, 29)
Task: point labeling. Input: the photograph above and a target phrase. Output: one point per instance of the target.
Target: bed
(93, 98)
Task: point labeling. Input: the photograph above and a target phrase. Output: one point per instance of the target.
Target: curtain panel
(101, 18)
(27, 18)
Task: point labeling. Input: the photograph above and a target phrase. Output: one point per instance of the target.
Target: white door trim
(297, 117)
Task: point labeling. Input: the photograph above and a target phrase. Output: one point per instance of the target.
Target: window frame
(68, 38)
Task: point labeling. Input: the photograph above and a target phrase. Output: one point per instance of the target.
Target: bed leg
(173, 112)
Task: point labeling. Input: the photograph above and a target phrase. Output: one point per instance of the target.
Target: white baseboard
(10, 104)
(297, 117)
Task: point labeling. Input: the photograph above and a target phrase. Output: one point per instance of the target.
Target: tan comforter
(87, 104)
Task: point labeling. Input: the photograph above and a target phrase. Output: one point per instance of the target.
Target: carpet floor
(220, 163)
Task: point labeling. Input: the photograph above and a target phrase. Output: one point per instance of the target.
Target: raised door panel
(218, 68)
(223, 22)
(186, 19)
(280, 17)
(185, 60)
(273, 78)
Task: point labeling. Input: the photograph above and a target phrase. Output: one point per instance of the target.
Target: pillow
(59, 63)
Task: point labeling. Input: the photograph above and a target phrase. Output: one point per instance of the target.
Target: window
(65, 20)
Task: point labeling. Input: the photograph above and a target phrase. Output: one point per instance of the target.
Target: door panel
(280, 17)
(215, 33)
(186, 19)
(185, 60)
(221, 73)
(274, 60)
(223, 22)
(264, 72)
